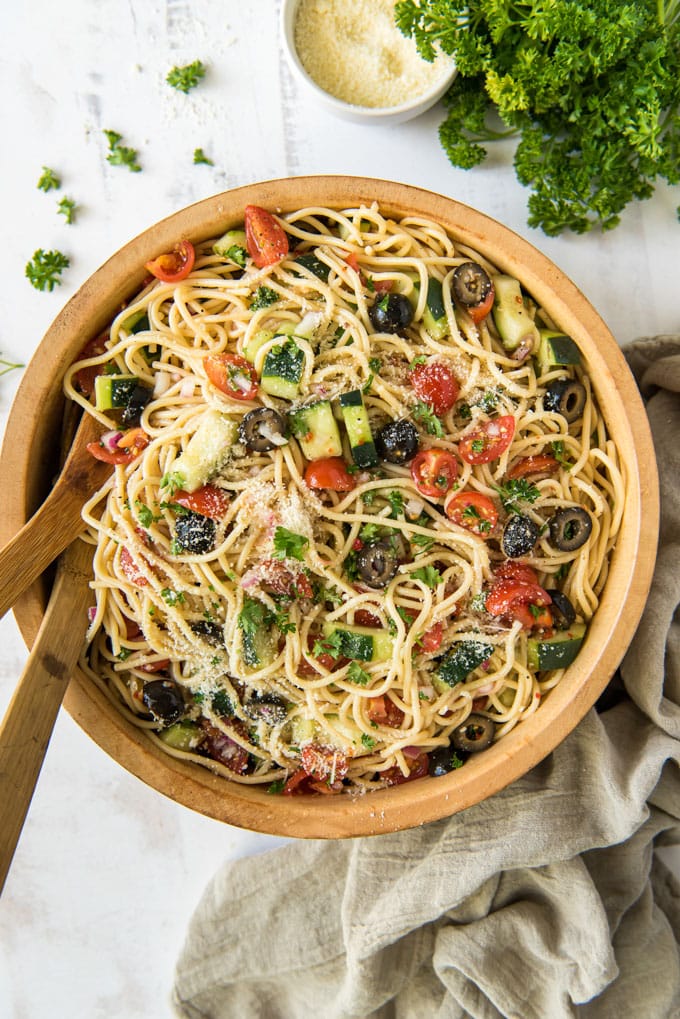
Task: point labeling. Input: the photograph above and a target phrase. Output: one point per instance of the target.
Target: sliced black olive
(442, 761)
(520, 534)
(266, 707)
(195, 533)
(475, 733)
(567, 398)
(163, 699)
(570, 528)
(211, 632)
(132, 411)
(390, 313)
(397, 441)
(471, 284)
(260, 428)
(377, 563)
(561, 608)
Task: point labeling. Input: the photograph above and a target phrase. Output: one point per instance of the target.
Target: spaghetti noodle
(392, 561)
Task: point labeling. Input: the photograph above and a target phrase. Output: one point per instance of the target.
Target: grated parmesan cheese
(354, 51)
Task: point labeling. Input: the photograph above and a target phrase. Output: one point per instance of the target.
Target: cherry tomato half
(511, 569)
(479, 311)
(131, 569)
(435, 385)
(266, 240)
(474, 511)
(324, 763)
(431, 640)
(330, 473)
(232, 374)
(175, 265)
(515, 600)
(384, 711)
(129, 446)
(434, 472)
(208, 500)
(487, 441)
(418, 768)
(540, 463)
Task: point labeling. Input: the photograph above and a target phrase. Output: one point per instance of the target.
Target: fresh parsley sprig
(187, 77)
(48, 180)
(66, 207)
(9, 366)
(200, 157)
(288, 545)
(45, 268)
(121, 155)
(516, 491)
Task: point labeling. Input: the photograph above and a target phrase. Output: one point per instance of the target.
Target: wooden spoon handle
(27, 726)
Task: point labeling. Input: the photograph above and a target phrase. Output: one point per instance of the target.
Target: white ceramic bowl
(359, 114)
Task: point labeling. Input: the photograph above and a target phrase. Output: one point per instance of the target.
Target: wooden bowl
(29, 462)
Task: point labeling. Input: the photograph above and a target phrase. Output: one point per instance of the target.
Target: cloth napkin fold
(545, 901)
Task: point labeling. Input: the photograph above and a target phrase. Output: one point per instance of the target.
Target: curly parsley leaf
(187, 77)
(428, 574)
(66, 208)
(516, 491)
(9, 366)
(121, 155)
(48, 180)
(200, 157)
(356, 674)
(426, 416)
(263, 297)
(45, 268)
(288, 545)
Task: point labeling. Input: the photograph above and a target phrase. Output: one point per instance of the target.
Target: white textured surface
(107, 871)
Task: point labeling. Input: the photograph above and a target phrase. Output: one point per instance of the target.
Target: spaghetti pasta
(357, 522)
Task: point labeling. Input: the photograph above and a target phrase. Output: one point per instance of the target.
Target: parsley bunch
(591, 87)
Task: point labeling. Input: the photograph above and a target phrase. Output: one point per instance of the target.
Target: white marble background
(108, 871)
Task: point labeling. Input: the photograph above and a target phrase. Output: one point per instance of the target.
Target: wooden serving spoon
(27, 726)
(57, 522)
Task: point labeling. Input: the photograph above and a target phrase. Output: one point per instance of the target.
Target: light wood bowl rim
(624, 597)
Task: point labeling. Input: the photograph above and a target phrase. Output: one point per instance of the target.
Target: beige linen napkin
(545, 901)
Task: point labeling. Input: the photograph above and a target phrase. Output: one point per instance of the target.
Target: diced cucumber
(282, 370)
(302, 730)
(137, 322)
(256, 341)
(114, 391)
(556, 349)
(182, 736)
(206, 451)
(258, 647)
(513, 322)
(434, 315)
(232, 245)
(314, 265)
(358, 428)
(361, 643)
(558, 651)
(316, 430)
(459, 662)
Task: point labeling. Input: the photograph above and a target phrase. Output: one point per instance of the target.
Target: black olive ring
(570, 528)
(475, 733)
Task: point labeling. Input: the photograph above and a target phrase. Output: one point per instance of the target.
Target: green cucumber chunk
(513, 321)
(358, 428)
(556, 349)
(314, 265)
(361, 643)
(316, 430)
(258, 647)
(459, 662)
(556, 652)
(434, 315)
(282, 370)
(114, 391)
(182, 736)
(137, 322)
(232, 245)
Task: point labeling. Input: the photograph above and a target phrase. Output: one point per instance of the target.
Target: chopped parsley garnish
(67, 208)
(284, 624)
(200, 157)
(221, 704)
(472, 514)
(426, 416)
(173, 481)
(463, 411)
(366, 388)
(419, 359)
(330, 645)
(121, 155)
(424, 543)
(396, 501)
(187, 77)
(369, 531)
(375, 364)
(477, 445)
(288, 545)
(253, 616)
(276, 787)
(515, 491)
(477, 602)
(263, 297)
(237, 254)
(428, 574)
(124, 654)
(367, 741)
(356, 674)
(48, 180)
(560, 454)
(45, 269)
(171, 597)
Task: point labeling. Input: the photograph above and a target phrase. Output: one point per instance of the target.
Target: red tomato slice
(130, 445)
(362, 617)
(474, 511)
(488, 441)
(174, 265)
(434, 472)
(513, 598)
(540, 463)
(276, 578)
(131, 570)
(479, 311)
(84, 378)
(352, 261)
(266, 240)
(223, 748)
(511, 569)
(435, 385)
(384, 711)
(432, 638)
(330, 473)
(232, 374)
(418, 768)
(208, 500)
(297, 783)
(324, 763)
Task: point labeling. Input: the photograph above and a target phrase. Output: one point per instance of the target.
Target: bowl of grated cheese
(351, 56)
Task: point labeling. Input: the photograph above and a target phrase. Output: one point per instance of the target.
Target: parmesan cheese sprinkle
(354, 51)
